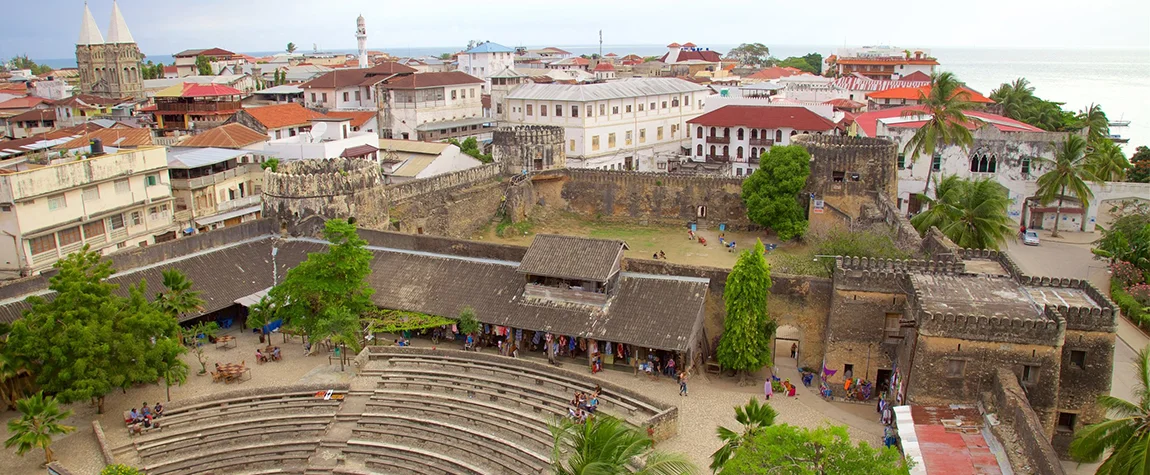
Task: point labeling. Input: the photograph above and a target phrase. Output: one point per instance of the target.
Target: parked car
(1030, 238)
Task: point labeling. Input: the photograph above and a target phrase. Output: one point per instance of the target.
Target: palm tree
(1069, 172)
(178, 297)
(946, 106)
(1095, 123)
(605, 445)
(291, 48)
(1127, 437)
(972, 213)
(1107, 162)
(40, 419)
(1015, 98)
(753, 417)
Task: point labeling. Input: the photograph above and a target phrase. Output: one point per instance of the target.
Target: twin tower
(108, 68)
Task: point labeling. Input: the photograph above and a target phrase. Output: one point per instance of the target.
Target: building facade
(737, 135)
(108, 202)
(109, 68)
(215, 187)
(627, 124)
(486, 59)
(881, 62)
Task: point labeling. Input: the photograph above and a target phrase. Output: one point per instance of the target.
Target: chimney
(97, 146)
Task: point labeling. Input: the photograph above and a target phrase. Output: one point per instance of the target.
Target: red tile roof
(283, 115)
(170, 70)
(422, 80)
(89, 101)
(775, 72)
(341, 78)
(34, 114)
(674, 45)
(688, 45)
(358, 119)
(13, 88)
(764, 117)
(709, 56)
(22, 102)
(868, 122)
(217, 52)
(916, 93)
(225, 136)
(916, 76)
(111, 138)
(610, 55)
(604, 66)
(845, 104)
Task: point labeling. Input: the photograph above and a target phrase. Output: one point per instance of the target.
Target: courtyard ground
(646, 240)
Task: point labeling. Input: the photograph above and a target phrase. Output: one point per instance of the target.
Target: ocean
(1115, 79)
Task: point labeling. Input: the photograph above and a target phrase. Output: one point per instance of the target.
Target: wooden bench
(480, 444)
(383, 449)
(494, 420)
(563, 382)
(238, 456)
(295, 423)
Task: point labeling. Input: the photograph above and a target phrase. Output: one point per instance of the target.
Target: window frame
(961, 365)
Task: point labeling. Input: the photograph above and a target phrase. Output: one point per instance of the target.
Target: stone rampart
(301, 190)
(920, 266)
(655, 198)
(1028, 331)
(407, 190)
(935, 245)
(1084, 318)
(842, 165)
(529, 148)
(1008, 400)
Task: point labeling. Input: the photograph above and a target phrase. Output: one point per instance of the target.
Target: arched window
(726, 132)
(712, 150)
(712, 131)
(700, 133)
(699, 149)
(739, 134)
(739, 151)
(794, 133)
(754, 134)
(993, 164)
(726, 151)
(754, 152)
(778, 136)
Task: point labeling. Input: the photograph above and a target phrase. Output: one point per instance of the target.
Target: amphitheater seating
(197, 438)
(248, 406)
(380, 453)
(235, 458)
(479, 413)
(497, 450)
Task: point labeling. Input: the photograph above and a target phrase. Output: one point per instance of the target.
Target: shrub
(1126, 273)
(1141, 293)
(119, 469)
(1131, 308)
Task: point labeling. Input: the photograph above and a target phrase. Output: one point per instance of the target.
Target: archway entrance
(787, 338)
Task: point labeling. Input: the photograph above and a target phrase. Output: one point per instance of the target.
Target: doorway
(883, 382)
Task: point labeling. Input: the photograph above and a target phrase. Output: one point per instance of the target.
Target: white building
(331, 140)
(738, 134)
(215, 187)
(486, 59)
(627, 124)
(434, 106)
(881, 62)
(405, 160)
(350, 89)
(108, 202)
(1004, 150)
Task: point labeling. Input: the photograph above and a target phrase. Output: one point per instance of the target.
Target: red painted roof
(764, 117)
(34, 115)
(170, 70)
(358, 119)
(688, 45)
(610, 55)
(708, 56)
(422, 80)
(225, 136)
(22, 102)
(951, 441)
(283, 115)
(845, 104)
(868, 122)
(674, 45)
(915, 93)
(775, 72)
(916, 76)
(604, 66)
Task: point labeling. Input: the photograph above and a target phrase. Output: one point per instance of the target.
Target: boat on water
(1114, 135)
(1117, 138)
(1120, 123)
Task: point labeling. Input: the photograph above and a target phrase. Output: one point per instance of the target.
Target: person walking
(683, 383)
(768, 390)
(794, 350)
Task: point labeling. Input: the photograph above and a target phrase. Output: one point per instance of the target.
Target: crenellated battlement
(1041, 331)
(1084, 318)
(320, 178)
(403, 191)
(529, 148)
(900, 266)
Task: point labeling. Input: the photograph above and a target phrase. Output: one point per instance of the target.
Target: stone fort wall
(303, 190)
(529, 148)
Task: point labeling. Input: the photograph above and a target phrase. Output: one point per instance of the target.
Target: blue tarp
(273, 326)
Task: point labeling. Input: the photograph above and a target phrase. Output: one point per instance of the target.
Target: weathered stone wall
(866, 166)
(454, 212)
(400, 192)
(855, 333)
(1081, 385)
(529, 148)
(655, 198)
(1034, 452)
(303, 190)
(935, 245)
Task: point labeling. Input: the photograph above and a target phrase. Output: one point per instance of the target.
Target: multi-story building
(277, 121)
(188, 106)
(215, 187)
(108, 202)
(738, 134)
(108, 68)
(628, 124)
(350, 89)
(880, 62)
(84, 107)
(219, 59)
(486, 59)
(913, 96)
(433, 106)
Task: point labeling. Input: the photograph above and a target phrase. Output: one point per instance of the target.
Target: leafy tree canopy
(811, 63)
(290, 48)
(1127, 239)
(605, 445)
(467, 322)
(1140, 169)
(204, 66)
(821, 451)
(470, 146)
(22, 62)
(971, 212)
(747, 329)
(120, 469)
(946, 105)
(753, 417)
(395, 321)
(1067, 176)
(751, 54)
(771, 193)
(1124, 435)
(40, 419)
(327, 294)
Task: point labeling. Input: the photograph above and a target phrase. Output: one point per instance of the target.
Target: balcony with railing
(205, 106)
(717, 139)
(203, 181)
(716, 158)
(761, 142)
(238, 203)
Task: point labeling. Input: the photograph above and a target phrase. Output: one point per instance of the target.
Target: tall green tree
(1107, 162)
(745, 345)
(605, 445)
(68, 342)
(147, 346)
(751, 54)
(204, 66)
(1127, 239)
(799, 63)
(178, 299)
(822, 451)
(771, 193)
(1125, 434)
(120, 469)
(1015, 98)
(40, 420)
(326, 295)
(1094, 120)
(754, 417)
(947, 124)
(971, 212)
(1068, 173)
(290, 48)
(202, 333)
(468, 325)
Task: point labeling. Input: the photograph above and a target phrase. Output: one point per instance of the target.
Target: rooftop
(764, 117)
(623, 88)
(185, 158)
(947, 439)
(282, 115)
(894, 118)
(413, 146)
(117, 137)
(225, 136)
(217, 52)
(358, 118)
(489, 47)
(570, 257)
(917, 93)
(435, 79)
(189, 89)
(976, 295)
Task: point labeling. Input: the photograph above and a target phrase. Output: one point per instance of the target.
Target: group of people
(142, 419)
(659, 255)
(730, 245)
(584, 405)
(858, 389)
(274, 355)
(785, 387)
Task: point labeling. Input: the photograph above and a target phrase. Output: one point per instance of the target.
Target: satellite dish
(318, 129)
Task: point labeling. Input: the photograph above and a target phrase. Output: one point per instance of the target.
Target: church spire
(89, 32)
(118, 32)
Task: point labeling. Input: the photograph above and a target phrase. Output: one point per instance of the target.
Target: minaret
(361, 38)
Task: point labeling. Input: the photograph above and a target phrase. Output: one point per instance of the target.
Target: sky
(48, 29)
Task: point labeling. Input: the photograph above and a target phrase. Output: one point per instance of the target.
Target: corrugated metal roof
(184, 158)
(624, 88)
(414, 165)
(413, 146)
(490, 47)
(284, 89)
